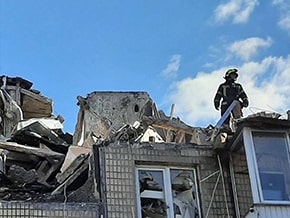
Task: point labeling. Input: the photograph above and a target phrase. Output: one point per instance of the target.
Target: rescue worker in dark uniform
(228, 92)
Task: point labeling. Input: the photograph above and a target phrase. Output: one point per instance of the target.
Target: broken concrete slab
(28, 161)
(70, 169)
(35, 133)
(80, 173)
(72, 154)
(21, 176)
(13, 146)
(50, 123)
(53, 159)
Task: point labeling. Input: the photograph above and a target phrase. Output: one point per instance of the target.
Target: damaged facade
(126, 159)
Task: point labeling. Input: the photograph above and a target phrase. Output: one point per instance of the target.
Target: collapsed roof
(39, 162)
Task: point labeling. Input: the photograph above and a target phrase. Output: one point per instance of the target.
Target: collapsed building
(126, 159)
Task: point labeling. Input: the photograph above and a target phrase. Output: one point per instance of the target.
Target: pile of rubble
(34, 162)
(39, 162)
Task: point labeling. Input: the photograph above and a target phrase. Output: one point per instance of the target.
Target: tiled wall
(120, 166)
(48, 210)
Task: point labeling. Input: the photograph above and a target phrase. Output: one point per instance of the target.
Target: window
(167, 192)
(272, 166)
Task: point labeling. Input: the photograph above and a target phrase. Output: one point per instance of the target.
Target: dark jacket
(228, 92)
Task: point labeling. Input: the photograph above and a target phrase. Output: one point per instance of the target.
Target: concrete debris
(266, 114)
(21, 176)
(46, 161)
(73, 153)
(71, 169)
(39, 162)
(36, 133)
(132, 116)
(36, 162)
(78, 169)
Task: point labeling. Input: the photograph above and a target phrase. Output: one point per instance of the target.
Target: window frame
(167, 186)
(256, 186)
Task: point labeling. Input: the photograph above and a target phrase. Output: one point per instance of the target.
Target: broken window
(167, 192)
(272, 166)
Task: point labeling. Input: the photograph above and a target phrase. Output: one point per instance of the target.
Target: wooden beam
(168, 125)
(36, 96)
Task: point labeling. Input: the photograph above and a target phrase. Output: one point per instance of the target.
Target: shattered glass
(152, 194)
(168, 193)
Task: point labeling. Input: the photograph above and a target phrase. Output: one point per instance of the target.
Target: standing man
(228, 92)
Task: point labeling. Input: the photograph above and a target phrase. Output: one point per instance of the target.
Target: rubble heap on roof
(39, 160)
(120, 139)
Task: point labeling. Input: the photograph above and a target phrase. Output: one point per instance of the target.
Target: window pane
(152, 193)
(184, 193)
(273, 164)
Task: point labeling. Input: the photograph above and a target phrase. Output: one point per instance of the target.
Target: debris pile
(132, 117)
(39, 162)
(33, 148)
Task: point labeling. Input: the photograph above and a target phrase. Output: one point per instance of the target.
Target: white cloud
(284, 7)
(237, 10)
(172, 68)
(284, 22)
(245, 49)
(266, 84)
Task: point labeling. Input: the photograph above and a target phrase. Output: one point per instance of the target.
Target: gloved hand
(216, 105)
(245, 103)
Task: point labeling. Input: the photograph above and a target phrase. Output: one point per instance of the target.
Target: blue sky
(177, 51)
